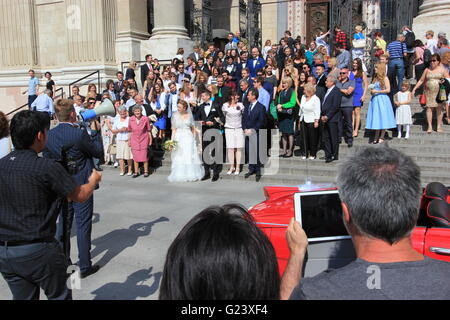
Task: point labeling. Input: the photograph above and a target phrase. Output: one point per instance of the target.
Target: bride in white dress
(186, 161)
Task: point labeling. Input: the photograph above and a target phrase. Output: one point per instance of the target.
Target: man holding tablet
(380, 224)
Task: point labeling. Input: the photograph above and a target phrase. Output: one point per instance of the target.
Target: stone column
(132, 28)
(19, 48)
(170, 32)
(433, 15)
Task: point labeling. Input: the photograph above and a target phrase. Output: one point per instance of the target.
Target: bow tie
(207, 104)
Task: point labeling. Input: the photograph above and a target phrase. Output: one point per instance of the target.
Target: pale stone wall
(269, 11)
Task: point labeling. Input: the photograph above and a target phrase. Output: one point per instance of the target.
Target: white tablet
(320, 215)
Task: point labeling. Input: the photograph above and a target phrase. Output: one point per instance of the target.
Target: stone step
(300, 178)
(296, 163)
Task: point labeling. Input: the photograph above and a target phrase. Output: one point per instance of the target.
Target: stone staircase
(430, 151)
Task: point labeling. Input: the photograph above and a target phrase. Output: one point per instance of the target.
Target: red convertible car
(430, 237)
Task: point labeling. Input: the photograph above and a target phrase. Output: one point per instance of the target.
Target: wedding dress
(186, 161)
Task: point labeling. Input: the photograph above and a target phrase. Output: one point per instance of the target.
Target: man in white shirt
(131, 102)
(78, 105)
(44, 103)
(431, 43)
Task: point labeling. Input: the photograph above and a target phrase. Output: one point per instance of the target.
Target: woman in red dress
(139, 139)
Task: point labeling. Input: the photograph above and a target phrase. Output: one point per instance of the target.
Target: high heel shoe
(439, 129)
(429, 131)
(230, 171)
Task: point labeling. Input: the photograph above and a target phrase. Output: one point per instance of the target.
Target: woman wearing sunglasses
(432, 78)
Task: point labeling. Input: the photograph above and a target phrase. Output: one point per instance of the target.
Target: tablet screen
(320, 214)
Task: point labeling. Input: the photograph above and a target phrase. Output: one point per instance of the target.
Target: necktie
(220, 92)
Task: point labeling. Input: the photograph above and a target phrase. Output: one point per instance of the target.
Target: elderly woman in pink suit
(140, 138)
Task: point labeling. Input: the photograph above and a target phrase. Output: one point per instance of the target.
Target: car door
(437, 243)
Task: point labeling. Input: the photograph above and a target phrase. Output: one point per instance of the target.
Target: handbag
(423, 100)
(359, 43)
(423, 97)
(273, 110)
(379, 53)
(442, 95)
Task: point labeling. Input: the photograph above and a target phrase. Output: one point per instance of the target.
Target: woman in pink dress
(140, 138)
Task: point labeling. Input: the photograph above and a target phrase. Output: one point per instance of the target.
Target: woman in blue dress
(158, 109)
(359, 95)
(380, 115)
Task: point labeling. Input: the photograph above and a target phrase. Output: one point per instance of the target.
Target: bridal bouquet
(170, 145)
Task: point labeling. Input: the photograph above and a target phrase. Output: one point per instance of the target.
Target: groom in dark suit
(253, 119)
(330, 118)
(211, 116)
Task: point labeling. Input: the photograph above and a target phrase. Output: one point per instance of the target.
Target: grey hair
(48, 91)
(137, 107)
(122, 108)
(381, 188)
(243, 81)
(333, 79)
(318, 56)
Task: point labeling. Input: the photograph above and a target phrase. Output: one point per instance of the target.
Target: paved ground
(135, 222)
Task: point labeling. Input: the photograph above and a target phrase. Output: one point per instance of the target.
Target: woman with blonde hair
(359, 44)
(380, 115)
(287, 100)
(148, 86)
(200, 84)
(309, 121)
(272, 62)
(332, 68)
(267, 47)
(130, 74)
(291, 72)
(187, 93)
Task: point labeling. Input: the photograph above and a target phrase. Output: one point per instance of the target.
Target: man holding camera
(72, 145)
(31, 192)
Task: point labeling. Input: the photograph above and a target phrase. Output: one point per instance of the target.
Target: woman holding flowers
(186, 162)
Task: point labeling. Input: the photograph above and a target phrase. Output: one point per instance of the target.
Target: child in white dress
(403, 113)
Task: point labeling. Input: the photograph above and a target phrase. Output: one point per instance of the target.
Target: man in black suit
(71, 144)
(203, 67)
(253, 119)
(146, 68)
(241, 65)
(196, 55)
(330, 118)
(244, 87)
(210, 114)
(321, 88)
(118, 85)
(76, 92)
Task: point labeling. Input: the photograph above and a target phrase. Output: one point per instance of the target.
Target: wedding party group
(218, 106)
